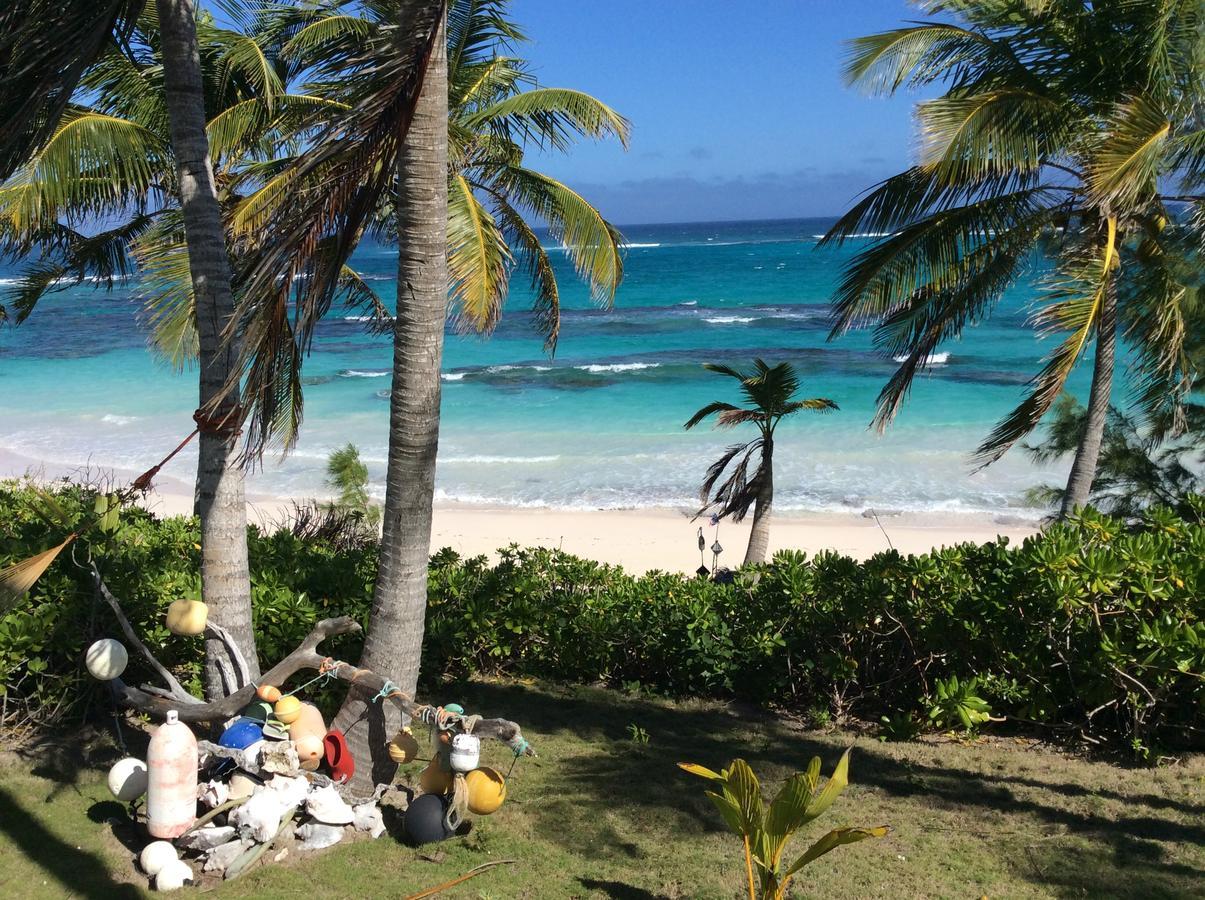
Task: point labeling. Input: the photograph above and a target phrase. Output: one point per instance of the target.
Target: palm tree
(442, 174)
(126, 157)
(1060, 125)
(770, 392)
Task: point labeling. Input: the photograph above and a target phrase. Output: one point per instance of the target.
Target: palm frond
(710, 409)
(93, 164)
(592, 243)
(551, 118)
(735, 495)
(478, 259)
(920, 55)
(533, 258)
(1072, 305)
(45, 48)
(1124, 169)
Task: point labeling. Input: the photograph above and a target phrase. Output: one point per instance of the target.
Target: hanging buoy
(466, 753)
(287, 709)
(268, 692)
(171, 794)
(127, 779)
(487, 790)
(187, 618)
(338, 756)
(424, 819)
(307, 731)
(404, 747)
(434, 780)
(106, 659)
(156, 855)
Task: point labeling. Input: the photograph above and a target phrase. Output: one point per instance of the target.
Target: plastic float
(187, 618)
(106, 659)
(171, 794)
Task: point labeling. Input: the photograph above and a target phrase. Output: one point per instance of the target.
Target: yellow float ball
(487, 790)
(287, 709)
(403, 747)
(434, 780)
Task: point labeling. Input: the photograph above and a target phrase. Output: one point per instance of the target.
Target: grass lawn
(602, 817)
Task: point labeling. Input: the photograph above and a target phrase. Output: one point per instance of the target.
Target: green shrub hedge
(1092, 629)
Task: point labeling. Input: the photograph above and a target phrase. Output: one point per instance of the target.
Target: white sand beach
(637, 539)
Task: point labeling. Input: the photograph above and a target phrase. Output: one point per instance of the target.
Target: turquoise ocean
(600, 424)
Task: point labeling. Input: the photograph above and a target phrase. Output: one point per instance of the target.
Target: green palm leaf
(1072, 305)
(1125, 168)
(551, 118)
(478, 259)
(592, 243)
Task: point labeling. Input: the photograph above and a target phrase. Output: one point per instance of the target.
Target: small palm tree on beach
(770, 392)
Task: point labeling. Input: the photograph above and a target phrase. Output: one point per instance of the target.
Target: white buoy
(466, 752)
(155, 856)
(127, 779)
(106, 659)
(171, 795)
(173, 876)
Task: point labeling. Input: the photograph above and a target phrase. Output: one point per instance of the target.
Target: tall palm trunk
(759, 535)
(395, 635)
(1083, 470)
(219, 500)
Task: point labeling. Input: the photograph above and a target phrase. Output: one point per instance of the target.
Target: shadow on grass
(615, 786)
(81, 873)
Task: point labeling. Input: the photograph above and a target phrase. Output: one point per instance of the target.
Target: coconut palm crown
(770, 394)
(1070, 129)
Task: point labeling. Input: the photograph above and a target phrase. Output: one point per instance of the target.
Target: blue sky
(738, 108)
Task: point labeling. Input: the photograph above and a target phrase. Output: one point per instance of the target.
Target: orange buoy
(268, 692)
(307, 731)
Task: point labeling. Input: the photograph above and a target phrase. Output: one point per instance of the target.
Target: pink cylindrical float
(171, 794)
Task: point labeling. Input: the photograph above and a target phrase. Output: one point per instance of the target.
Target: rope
(326, 672)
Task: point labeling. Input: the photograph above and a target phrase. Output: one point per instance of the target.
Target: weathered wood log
(306, 656)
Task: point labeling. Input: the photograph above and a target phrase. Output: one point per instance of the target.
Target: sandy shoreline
(637, 539)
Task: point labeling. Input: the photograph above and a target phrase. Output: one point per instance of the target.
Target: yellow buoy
(287, 709)
(404, 747)
(187, 617)
(434, 780)
(487, 790)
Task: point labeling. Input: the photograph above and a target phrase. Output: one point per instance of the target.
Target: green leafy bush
(1091, 628)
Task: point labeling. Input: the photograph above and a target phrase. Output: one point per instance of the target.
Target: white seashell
(173, 876)
(127, 779)
(219, 858)
(259, 818)
(213, 793)
(106, 659)
(315, 835)
(208, 837)
(241, 785)
(292, 790)
(368, 818)
(156, 855)
(466, 753)
(325, 805)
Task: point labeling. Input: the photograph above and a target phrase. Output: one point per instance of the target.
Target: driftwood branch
(174, 687)
(237, 672)
(306, 656)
